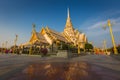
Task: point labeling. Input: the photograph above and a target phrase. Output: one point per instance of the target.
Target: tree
(65, 46)
(112, 49)
(88, 46)
(118, 48)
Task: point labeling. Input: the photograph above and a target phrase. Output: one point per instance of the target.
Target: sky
(88, 16)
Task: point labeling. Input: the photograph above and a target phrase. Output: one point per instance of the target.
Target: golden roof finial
(68, 13)
(33, 28)
(33, 25)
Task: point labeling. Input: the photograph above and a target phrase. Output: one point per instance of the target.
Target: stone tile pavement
(106, 67)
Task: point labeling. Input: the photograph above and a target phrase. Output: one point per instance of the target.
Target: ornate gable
(33, 38)
(38, 37)
(42, 31)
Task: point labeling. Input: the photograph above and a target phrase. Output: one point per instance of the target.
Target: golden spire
(68, 13)
(68, 22)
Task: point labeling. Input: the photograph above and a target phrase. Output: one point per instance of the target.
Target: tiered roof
(56, 35)
(41, 38)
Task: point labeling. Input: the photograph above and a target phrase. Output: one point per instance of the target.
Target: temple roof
(56, 35)
(37, 37)
(41, 37)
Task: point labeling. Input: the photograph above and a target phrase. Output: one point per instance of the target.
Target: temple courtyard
(35, 67)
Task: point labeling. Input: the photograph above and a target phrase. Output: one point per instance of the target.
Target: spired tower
(69, 30)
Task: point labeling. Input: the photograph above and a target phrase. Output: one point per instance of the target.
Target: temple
(48, 36)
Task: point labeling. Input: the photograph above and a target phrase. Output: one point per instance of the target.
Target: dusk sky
(88, 16)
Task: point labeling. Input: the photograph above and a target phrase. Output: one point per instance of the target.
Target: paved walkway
(105, 67)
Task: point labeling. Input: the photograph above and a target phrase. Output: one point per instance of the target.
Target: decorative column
(78, 48)
(112, 37)
(15, 41)
(105, 48)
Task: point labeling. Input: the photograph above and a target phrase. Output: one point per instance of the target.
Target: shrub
(44, 51)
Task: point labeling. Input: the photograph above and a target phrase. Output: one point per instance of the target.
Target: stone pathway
(99, 67)
(100, 60)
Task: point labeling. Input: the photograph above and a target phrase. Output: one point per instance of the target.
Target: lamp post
(105, 48)
(15, 41)
(78, 48)
(77, 41)
(6, 44)
(30, 50)
(112, 37)
(2, 47)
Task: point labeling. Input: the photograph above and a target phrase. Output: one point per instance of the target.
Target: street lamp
(2, 47)
(15, 41)
(6, 44)
(30, 50)
(77, 41)
(112, 36)
(78, 48)
(104, 46)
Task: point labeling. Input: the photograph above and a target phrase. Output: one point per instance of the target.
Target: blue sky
(89, 16)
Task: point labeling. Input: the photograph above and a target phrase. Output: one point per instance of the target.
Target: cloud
(93, 28)
(97, 28)
(96, 33)
(97, 25)
(100, 19)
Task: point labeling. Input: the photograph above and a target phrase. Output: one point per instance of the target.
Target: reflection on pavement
(57, 71)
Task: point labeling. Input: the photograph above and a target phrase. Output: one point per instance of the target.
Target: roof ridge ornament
(33, 28)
